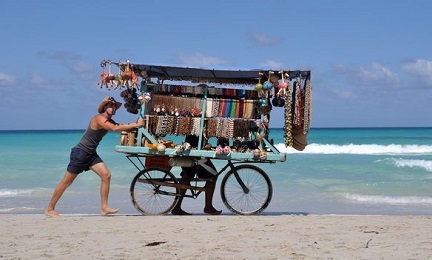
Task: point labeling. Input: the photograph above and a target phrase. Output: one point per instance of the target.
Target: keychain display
(132, 102)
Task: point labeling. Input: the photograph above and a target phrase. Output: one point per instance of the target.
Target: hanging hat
(300, 140)
(106, 101)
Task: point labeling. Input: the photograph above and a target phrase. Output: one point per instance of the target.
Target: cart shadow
(223, 214)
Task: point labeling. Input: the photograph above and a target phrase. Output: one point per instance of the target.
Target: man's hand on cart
(140, 121)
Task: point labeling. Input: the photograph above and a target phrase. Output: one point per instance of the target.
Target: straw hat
(106, 101)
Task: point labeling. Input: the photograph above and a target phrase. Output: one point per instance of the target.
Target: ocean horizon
(355, 170)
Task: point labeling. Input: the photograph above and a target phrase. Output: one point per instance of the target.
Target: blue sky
(371, 60)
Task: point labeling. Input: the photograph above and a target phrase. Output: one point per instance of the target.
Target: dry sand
(215, 237)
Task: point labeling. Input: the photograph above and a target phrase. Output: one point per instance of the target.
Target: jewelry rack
(197, 98)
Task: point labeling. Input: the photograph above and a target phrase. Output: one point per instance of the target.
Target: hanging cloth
(233, 108)
(222, 108)
(209, 107)
(215, 108)
(228, 108)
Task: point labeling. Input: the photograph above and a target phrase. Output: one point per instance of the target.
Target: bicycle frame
(195, 189)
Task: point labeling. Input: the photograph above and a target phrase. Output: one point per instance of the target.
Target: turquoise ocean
(385, 171)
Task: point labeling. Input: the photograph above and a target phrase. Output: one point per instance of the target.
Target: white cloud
(38, 80)
(81, 67)
(7, 80)
(343, 94)
(72, 62)
(44, 83)
(340, 68)
(64, 56)
(200, 59)
(263, 39)
(271, 64)
(420, 68)
(373, 75)
(347, 95)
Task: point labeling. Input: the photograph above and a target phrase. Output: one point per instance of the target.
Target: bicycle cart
(230, 108)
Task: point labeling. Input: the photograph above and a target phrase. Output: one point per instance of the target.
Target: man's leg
(208, 170)
(102, 170)
(67, 180)
(177, 210)
(208, 208)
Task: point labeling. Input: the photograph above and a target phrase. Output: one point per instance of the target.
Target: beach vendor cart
(231, 107)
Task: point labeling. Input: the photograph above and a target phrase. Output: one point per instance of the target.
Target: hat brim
(105, 102)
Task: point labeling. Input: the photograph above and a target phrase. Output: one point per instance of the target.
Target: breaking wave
(9, 193)
(361, 149)
(424, 164)
(17, 210)
(379, 199)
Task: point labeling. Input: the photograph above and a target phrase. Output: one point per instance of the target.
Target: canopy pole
(203, 111)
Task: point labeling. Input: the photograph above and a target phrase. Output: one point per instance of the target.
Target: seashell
(227, 150)
(207, 146)
(263, 155)
(219, 150)
(178, 148)
(187, 146)
(168, 143)
(161, 147)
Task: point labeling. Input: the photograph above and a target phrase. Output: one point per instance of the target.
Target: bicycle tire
(152, 198)
(254, 197)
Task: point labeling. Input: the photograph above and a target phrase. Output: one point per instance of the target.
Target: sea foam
(17, 210)
(424, 164)
(363, 149)
(379, 199)
(8, 193)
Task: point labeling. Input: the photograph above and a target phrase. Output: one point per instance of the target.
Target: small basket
(157, 162)
(128, 138)
(132, 138)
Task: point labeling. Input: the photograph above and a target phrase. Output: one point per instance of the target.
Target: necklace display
(230, 106)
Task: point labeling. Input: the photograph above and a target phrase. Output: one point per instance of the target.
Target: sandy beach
(215, 237)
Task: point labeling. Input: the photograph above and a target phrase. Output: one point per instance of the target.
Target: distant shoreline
(274, 128)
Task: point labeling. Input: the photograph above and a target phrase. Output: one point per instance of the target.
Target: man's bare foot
(51, 213)
(212, 211)
(108, 211)
(179, 212)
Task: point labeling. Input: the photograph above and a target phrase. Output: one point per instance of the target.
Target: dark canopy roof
(207, 75)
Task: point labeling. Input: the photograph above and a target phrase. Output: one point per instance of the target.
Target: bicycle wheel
(153, 191)
(246, 190)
